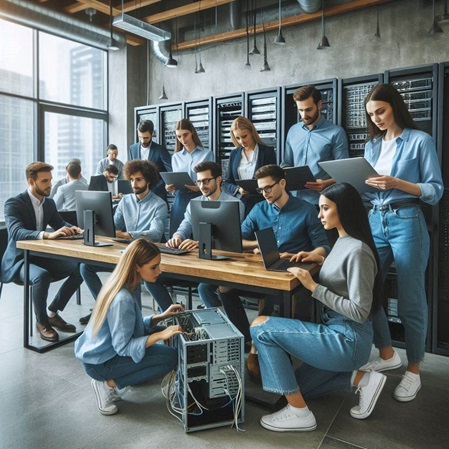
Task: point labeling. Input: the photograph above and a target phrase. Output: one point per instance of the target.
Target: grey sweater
(347, 279)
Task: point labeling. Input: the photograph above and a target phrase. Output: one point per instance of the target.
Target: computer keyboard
(119, 240)
(71, 237)
(174, 251)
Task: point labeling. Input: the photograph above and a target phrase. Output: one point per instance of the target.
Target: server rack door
(147, 113)
(226, 109)
(419, 88)
(328, 89)
(440, 335)
(264, 110)
(200, 114)
(169, 115)
(351, 110)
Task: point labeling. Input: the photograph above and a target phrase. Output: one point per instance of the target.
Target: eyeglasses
(266, 189)
(205, 181)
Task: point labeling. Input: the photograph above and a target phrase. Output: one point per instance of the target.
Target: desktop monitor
(217, 224)
(95, 215)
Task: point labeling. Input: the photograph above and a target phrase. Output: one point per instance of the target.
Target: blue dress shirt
(142, 218)
(415, 161)
(124, 332)
(185, 228)
(304, 146)
(183, 161)
(296, 225)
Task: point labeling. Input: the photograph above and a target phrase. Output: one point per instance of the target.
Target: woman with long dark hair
(118, 347)
(188, 153)
(407, 162)
(332, 352)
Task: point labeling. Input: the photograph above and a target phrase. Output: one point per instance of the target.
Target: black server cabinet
(200, 114)
(226, 109)
(328, 89)
(147, 113)
(264, 110)
(169, 115)
(351, 110)
(419, 88)
(440, 324)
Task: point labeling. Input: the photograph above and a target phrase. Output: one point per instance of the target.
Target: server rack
(328, 89)
(169, 115)
(351, 110)
(226, 109)
(419, 88)
(200, 114)
(147, 113)
(264, 110)
(440, 322)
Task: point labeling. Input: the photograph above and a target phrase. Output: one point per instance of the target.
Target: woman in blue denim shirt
(331, 352)
(407, 163)
(118, 347)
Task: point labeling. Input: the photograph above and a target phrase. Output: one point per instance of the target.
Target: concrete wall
(354, 51)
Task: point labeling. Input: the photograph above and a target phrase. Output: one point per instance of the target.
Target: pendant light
(163, 95)
(444, 18)
(255, 50)
(171, 62)
(247, 65)
(377, 34)
(279, 39)
(435, 29)
(324, 42)
(111, 46)
(265, 67)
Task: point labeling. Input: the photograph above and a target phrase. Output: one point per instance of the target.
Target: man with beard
(314, 139)
(139, 214)
(151, 151)
(27, 217)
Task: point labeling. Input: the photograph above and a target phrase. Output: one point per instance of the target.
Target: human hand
(242, 191)
(305, 256)
(382, 182)
(123, 235)
(192, 188)
(304, 277)
(62, 232)
(170, 187)
(174, 242)
(319, 184)
(189, 244)
(168, 332)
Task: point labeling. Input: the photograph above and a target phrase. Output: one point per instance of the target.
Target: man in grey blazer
(27, 216)
(151, 151)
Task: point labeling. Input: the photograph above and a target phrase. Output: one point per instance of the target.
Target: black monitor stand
(205, 243)
(89, 230)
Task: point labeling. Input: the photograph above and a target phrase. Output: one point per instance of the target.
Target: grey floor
(46, 402)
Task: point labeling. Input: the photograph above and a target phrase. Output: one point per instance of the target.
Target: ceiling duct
(44, 19)
(140, 28)
(309, 6)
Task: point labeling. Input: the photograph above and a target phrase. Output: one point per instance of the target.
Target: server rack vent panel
(169, 118)
(327, 100)
(263, 114)
(199, 116)
(417, 95)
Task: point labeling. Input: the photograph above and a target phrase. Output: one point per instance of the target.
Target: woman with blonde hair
(250, 154)
(118, 347)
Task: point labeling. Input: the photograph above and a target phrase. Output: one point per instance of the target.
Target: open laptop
(270, 253)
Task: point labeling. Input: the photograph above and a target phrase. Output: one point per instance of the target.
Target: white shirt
(385, 161)
(247, 167)
(38, 207)
(145, 152)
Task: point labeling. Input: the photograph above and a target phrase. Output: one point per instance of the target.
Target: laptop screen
(268, 246)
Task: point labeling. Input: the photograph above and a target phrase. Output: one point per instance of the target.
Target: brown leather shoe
(85, 319)
(47, 332)
(60, 324)
(252, 364)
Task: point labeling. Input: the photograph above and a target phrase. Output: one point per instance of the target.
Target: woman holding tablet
(250, 154)
(332, 352)
(408, 164)
(188, 153)
(118, 347)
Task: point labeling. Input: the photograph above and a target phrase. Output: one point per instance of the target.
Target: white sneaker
(408, 387)
(378, 364)
(104, 395)
(368, 395)
(285, 420)
(118, 393)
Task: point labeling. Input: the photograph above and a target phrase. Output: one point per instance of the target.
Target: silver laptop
(270, 253)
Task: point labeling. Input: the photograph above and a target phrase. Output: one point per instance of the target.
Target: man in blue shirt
(313, 140)
(296, 227)
(139, 214)
(111, 159)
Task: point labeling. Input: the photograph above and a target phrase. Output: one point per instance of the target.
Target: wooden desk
(245, 271)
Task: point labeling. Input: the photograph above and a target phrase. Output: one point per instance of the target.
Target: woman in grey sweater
(332, 352)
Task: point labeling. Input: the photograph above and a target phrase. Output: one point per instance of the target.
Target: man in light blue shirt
(65, 196)
(111, 159)
(313, 140)
(139, 214)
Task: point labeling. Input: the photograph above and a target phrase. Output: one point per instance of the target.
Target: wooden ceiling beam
(274, 25)
(81, 5)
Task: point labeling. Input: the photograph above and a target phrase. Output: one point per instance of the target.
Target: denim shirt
(296, 225)
(415, 161)
(142, 218)
(185, 228)
(183, 161)
(124, 332)
(304, 146)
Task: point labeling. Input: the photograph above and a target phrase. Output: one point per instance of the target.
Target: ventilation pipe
(309, 6)
(32, 15)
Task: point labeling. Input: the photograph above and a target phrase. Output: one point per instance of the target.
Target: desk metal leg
(286, 305)
(26, 300)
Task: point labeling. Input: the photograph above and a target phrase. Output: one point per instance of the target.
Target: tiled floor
(46, 402)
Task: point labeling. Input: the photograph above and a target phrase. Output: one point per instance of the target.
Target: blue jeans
(157, 361)
(209, 295)
(160, 294)
(43, 271)
(93, 282)
(330, 352)
(401, 235)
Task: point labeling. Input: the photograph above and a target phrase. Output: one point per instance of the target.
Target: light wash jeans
(158, 360)
(401, 235)
(330, 352)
